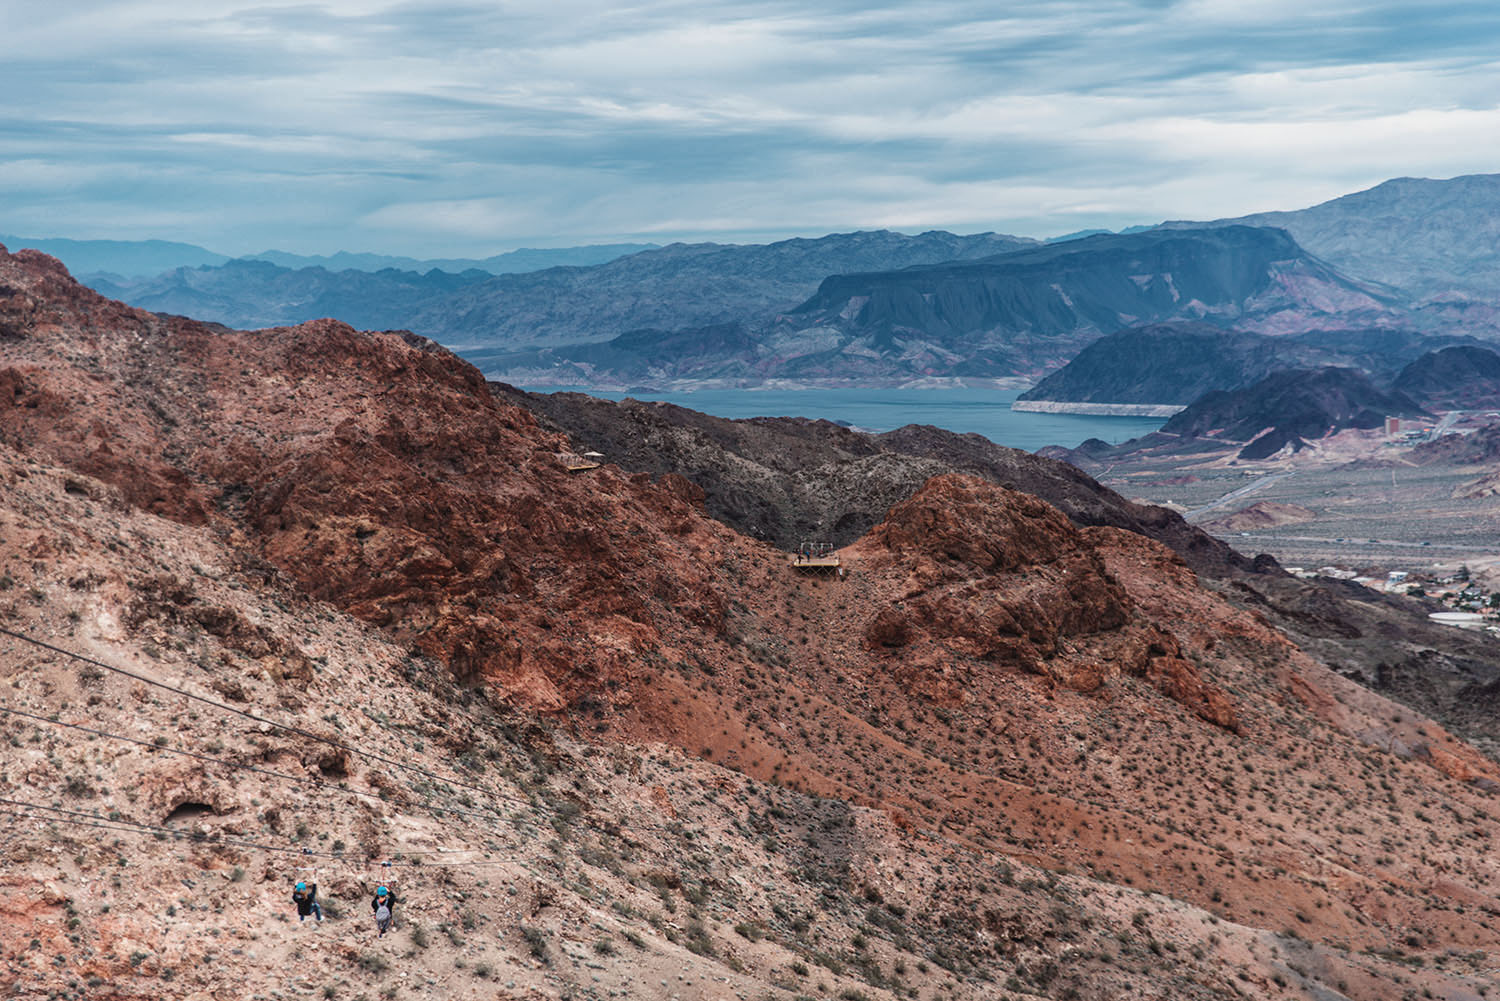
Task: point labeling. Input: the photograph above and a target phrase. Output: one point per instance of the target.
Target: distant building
(1402, 427)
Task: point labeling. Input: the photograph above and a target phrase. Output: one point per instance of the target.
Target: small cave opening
(334, 766)
(187, 812)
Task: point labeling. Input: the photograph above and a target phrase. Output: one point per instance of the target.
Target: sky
(446, 129)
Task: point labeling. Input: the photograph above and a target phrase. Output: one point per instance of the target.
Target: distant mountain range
(1016, 313)
(1414, 257)
(512, 262)
(118, 260)
(1035, 307)
(248, 295)
(122, 258)
(1423, 238)
(682, 285)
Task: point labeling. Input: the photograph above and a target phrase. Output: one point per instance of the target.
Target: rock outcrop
(1177, 363)
(1260, 515)
(992, 575)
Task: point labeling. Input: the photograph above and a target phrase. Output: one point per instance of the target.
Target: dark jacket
(304, 899)
(389, 900)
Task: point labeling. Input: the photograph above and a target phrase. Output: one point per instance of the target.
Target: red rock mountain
(987, 673)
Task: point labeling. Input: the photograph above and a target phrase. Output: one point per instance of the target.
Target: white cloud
(467, 129)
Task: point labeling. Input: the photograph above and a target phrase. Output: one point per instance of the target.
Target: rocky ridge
(789, 480)
(1429, 238)
(1462, 377)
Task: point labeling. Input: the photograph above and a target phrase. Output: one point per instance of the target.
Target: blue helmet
(381, 892)
(301, 886)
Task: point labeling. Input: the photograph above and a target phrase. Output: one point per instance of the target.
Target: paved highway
(1233, 495)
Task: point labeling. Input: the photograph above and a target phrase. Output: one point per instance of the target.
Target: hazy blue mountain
(1033, 309)
(137, 259)
(1080, 234)
(677, 287)
(512, 262)
(252, 294)
(122, 258)
(1423, 237)
(1010, 314)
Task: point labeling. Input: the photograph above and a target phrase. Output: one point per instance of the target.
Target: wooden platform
(579, 467)
(816, 564)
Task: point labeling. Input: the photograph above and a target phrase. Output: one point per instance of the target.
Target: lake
(986, 411)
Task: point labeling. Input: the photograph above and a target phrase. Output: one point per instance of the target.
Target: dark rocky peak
(1165, 363)
(1177, 362)
(1463, 377)
(1289, 407)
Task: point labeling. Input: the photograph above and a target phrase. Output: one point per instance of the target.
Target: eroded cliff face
(986, 669)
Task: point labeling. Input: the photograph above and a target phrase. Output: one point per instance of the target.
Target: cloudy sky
(435, 129)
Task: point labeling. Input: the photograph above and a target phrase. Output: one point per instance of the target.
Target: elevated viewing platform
(574, 463)
(817, 558)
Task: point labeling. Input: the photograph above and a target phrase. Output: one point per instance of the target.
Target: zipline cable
(263, 771)
(140, 827)
(241, 712)
(191, 754)
(252, 768)
(493, 794)
(516, 800)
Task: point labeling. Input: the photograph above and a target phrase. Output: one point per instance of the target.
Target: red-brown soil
(989, 679)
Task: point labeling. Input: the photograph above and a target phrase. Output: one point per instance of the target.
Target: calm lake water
(985, 411)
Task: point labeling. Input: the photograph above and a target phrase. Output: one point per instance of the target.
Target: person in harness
(306, 899)
(384, 906)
